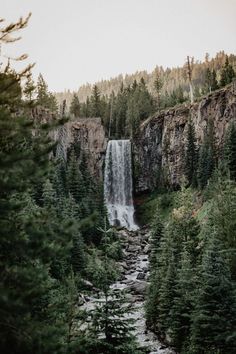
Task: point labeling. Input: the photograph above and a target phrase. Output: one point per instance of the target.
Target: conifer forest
(117, 206)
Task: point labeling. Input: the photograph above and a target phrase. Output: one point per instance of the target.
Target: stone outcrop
(160, 146)
(89, 135)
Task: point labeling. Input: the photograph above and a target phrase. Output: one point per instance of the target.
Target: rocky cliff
(89, 135)
(160, 145)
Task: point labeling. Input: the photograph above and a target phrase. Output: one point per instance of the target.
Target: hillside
(172, 78)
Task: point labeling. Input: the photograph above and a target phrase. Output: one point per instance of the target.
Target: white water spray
(118, 185)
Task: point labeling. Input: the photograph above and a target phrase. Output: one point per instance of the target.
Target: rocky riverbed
(134, 271)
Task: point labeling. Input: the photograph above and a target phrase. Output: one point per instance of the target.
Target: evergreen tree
(227, 73)
(133, 117)
(29, 88)
(95, 103)
(158, 86)
(52, 103)
(156, 236)
(143, 100)
(42, 91)
(210, 80)
(49, 195)
(119, 114)
(207, 156)
(44, 97)
(214, 82)
(78, 258)
(25, 256)
(86, 108)
(75, 183)
(191, 157)
(75, 106)
(183, 301)
(230, 150)
(214, 315)
(110, 320)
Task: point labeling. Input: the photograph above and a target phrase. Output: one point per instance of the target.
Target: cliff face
(89, 135)
(161, 142)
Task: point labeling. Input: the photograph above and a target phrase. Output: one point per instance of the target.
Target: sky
(77, 41)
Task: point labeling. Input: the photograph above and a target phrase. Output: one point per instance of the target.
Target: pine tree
(214, 82)
(118, 128)
(78, 258)
(230, 150)
(214, 315)
(75, 106)
(143, 100)
(156, 236)
(29, 88)
(183, 304)
(210, 79)
(45, 98)
(158, 86)
(133, 117)
(227, 73)
(27, 254)
(95, 103)
(49, 195)
(207, 156)
(191, 157)
(52, 103)
(110, 320)
(75, 183)
(42, 91)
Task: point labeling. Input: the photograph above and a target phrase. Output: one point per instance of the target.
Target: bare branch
(20, 58)
(5, 32)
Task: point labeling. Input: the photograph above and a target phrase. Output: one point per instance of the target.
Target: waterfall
(118, 185)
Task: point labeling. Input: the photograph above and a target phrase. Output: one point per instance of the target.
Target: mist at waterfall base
(118, 186)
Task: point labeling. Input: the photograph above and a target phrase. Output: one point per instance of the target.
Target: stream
(134, 279)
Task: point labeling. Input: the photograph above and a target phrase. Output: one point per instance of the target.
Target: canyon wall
(89, 135)
(159, 148)
(160, 145)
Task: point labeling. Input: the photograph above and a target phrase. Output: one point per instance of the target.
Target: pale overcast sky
(79, 41)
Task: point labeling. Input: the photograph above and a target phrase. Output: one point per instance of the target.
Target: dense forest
(57, 247)
(54, 241)
(191, 300)
(125, 108)
(172, 80)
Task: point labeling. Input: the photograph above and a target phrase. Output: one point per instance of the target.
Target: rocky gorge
(134, 280)
(158, 149)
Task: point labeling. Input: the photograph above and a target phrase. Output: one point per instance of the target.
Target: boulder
(139, 287)
(141, 276)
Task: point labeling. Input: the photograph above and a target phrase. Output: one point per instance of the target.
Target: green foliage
(227, 73)
(173, 98)
(214, 314)
(121, 114)
(111, 327)
(191, 156)
(75, 106)
(211, 82)
(29, 89)
(207, 156)
(45, 98)
(171, 79)
(43, 229)
(230, 150)
(192, 290)
(95, 110)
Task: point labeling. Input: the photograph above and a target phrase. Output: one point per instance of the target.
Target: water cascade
(118, 185)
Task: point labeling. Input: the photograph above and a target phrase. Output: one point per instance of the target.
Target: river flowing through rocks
(134, 269)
